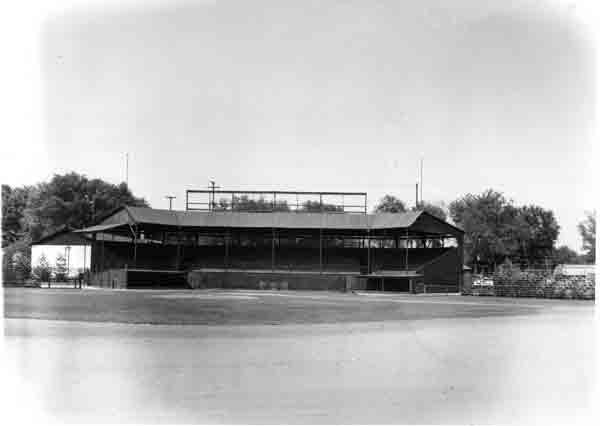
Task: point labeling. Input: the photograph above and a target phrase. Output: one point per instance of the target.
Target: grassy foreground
(210, 307)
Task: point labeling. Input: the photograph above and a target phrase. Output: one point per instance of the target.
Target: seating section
(287, 257)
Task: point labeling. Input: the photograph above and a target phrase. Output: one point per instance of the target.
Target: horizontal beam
(208, 191)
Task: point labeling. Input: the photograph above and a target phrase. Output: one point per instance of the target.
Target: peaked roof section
(281, 220)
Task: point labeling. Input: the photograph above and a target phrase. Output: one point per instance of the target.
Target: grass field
(298, 357)
(219, 307)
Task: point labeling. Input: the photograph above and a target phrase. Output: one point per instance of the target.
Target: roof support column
(227, 238)
(406, 252)
(135, 247)
(368, 251)
(321, 250)
(272, 249)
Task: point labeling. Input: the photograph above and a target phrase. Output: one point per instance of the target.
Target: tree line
(69, 200)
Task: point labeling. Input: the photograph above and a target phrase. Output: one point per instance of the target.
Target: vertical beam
(135, 247)
(321, 250)
(272, 249)
(368, 252)
(406, 252)
(226, 260)
(178, 253)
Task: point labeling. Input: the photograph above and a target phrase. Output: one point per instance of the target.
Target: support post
(135, 247)
(406, 252)
(321, 250)
(273, 249)
(178, 254)
(368, 252)
(226, 261)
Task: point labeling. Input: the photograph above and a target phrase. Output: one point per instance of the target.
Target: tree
(66, 200)
(16, 263)
(587, 230)
(495, 229)
(243, 203)
(14, 202)
(60, 268)
(537, 231)
(390, 204)
(42, 270)
(316, 206)
(432, 209)
(488, 220)
(565, 255)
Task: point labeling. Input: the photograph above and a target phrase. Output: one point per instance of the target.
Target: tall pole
(212, 187)
(417, 195)
(421, 181)
(127, 169)
(170, 198)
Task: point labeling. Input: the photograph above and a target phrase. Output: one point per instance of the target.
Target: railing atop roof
(270, 201)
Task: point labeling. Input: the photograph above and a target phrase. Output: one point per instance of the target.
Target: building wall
(443, 273)
(272, 281)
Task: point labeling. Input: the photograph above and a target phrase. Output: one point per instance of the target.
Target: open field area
(237, 307)
(301, 357)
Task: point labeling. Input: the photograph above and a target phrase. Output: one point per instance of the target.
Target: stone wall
(540, 284)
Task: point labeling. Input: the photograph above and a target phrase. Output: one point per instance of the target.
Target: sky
(315, 96)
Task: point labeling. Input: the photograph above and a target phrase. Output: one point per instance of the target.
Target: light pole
(170, 197)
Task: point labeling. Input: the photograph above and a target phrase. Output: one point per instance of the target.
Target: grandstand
(277, 248)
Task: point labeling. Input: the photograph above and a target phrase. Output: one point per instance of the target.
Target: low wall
(111, 278)
(273, 280)
(538, 284)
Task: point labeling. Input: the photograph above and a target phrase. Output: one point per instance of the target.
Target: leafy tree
(315, 206)
(16, 263)
(495, 229)
(42, 270)
(488, 220)
(564, 254)
(587, 230)
(433, 209)
(70, 199)
(14, 202)
(60, 268)
(537, 231)
(390, 204)
(244, 203)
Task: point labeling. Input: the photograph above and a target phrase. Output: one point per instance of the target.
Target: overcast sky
(332, 96)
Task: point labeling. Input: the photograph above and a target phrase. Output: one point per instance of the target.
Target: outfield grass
(210, 307)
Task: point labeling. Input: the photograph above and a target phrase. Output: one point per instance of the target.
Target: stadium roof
(419, 221)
